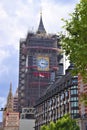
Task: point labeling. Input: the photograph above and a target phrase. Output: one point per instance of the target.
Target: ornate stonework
(10, 118)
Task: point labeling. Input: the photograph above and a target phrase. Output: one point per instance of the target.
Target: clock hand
(43, 63)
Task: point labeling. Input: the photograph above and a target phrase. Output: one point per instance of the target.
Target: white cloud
(4, 54)
(26, 17)
(30, 1)
(3, 70)
(53, 12)
(15, 26)
(3, 14)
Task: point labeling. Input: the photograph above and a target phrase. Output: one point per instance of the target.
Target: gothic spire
(41, 28)
(10, 99)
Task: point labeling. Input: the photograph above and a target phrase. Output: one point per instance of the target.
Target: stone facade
(61, 98)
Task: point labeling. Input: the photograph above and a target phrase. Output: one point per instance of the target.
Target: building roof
(41, 29)
(10, 99)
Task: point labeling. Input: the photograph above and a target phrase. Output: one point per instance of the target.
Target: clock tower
(38, 65)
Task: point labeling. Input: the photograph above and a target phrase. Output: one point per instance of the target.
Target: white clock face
(43, 63)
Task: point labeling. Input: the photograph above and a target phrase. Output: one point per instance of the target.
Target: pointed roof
(10, 99)
(16, 93)
(10, 91)
(41, 28)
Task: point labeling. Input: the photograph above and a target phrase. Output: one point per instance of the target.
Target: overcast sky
(17, 17)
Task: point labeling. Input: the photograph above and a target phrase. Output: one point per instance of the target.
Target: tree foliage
(64, 123)
(74, 41)
(51, 126)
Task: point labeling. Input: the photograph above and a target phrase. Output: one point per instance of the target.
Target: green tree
(64, 123)
(51, 126)
(44, 127)
(74, 41)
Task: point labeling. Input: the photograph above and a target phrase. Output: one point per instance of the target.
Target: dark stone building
(60, 98)
(39, 65)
